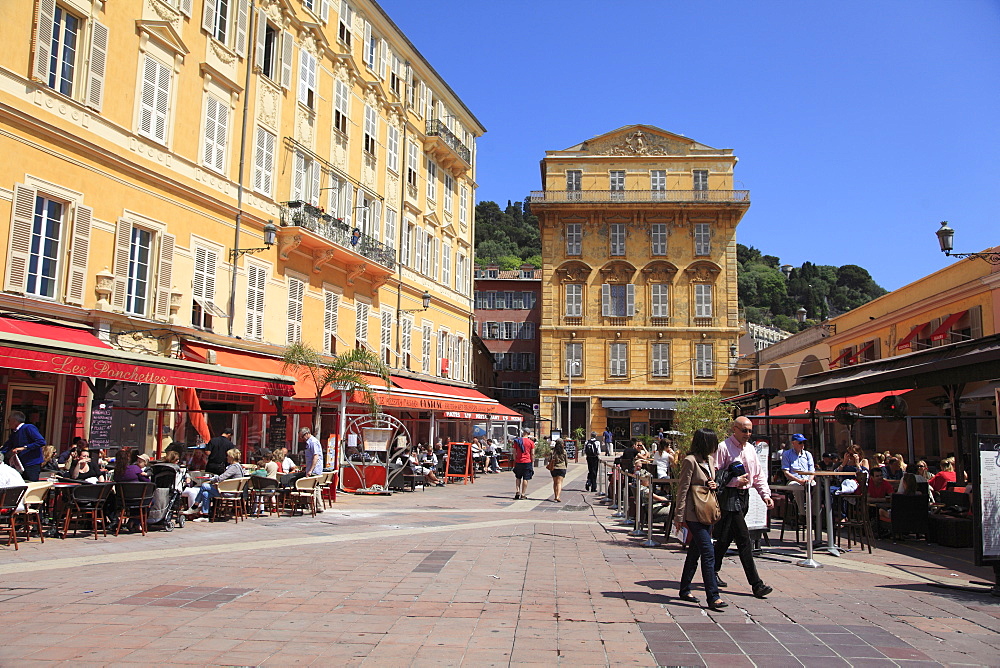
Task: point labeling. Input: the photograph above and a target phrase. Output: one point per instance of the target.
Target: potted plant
(542, 451)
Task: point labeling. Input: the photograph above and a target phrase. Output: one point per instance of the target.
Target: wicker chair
(34, 502)
(303, 496)
(264, 494)
(134, 500)
(10, 499)
(231, 499)
(87, 503)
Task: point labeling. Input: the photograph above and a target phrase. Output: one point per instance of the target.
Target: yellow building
(639, 294)
(147, 140)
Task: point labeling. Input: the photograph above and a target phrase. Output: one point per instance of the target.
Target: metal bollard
(809, 562)
(616, 492)
(626, 495)
(636, 531)
(649, 542)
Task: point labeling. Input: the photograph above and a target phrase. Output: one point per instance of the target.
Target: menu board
(459, 460)
(100, 428)
(986, 501)
(571, 450)
(277, 431)
(757, 515)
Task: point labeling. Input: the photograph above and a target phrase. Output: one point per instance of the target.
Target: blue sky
(859, 125)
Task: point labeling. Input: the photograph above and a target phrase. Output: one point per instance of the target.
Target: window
(425, 349)
(362, 312)
(446, 264)
(702, 300)
(217, 18)
(154, 103)
(263, 162)
(256, 282)
(396, 75)
(370, 51)
(346, 21)
(386, 337)
(463, 205)
(700, 179)
(527, 330)
(574, 300)
(60, 54)
(137, 290)
(518, 299)
(702, 239)
(218, 21)
(331, 321)
(618, 360)
(574, 239)
(296, 294)
(65, 41)
(617, 233)
(574, 359)
(341, 106)
(268, 49)
(617, 185)
(658, 184)
(442, 351)
(390, 227)
(45, 241)
(618, 301)
(449, 192)
(529, 300)
(216, 133)
(431, 180)
(371, 131)
(661, 360)
(412, 164)
(659, 301)
(574, 180)
(406, 341)
(307, 78)
(305, 179)
(704, 361)
(658, 235)
(203, 307)
(461, 280)
(392, 148)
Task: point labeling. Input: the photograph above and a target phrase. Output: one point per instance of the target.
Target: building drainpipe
(404, 155)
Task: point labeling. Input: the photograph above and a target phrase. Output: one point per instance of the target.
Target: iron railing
(644, 196)
(338, 232)
(437, 128)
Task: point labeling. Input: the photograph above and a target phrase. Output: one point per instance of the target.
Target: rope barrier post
(636, 531)
(809, 562)
(626, 495)
(649, 542)
(616, 492)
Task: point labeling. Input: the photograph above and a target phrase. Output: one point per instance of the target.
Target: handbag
(551, 464)
(705, 502)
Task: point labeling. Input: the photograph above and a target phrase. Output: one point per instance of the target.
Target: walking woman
(557, 464)
(698, 469)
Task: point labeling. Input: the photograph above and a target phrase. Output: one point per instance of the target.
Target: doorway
(35, 401)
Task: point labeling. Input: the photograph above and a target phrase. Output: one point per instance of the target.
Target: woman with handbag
(557, 465)
(698, 509)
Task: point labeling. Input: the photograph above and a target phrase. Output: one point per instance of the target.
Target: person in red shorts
(524, 457)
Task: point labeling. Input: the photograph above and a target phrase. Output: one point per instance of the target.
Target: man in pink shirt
(735, 502)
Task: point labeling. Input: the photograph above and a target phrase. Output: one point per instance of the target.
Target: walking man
(735, 502)
(609, 442)
(26, 442)
(524, 458)
(592, 449)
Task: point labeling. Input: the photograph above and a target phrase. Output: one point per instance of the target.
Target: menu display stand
(460, 462)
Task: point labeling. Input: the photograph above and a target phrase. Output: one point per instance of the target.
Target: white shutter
(186, 6)
(298, 176)
(263, 162)
(630, 300)
(123, 240)
(348, 196)
(331, 309)
(242, 26)
(365, 52)
(436, 259)
(259, 41)
(384, 62)
(376, 218)
(19, 244)
(208, 17)
(386, 336)
(43, 39)
(361, 323)
(316, 174)
(157, 78)
(296, 291)
(324, 11)
(98, 64)
(78, 254)
(287, 53)
(211, 119)
(418, 260)
(164, 276)
(256, 282)
(211, 261)
(605, 299)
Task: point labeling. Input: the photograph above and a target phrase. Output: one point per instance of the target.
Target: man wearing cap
(794, 460)
(592, 449)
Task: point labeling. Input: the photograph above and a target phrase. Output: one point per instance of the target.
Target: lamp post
(270, 237)
(572, 366)
(946, 239)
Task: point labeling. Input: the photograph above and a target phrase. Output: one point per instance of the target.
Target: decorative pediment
(313, 40)
(573, 271)
(345, 69)
(703, 271)
(376, 95)
(659, 271)
(618, 271)
(431, 218)
(642, 140)
(164, 33)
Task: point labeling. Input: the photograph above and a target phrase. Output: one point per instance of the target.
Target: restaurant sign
(396, 400)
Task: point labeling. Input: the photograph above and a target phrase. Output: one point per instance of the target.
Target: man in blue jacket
(26, 442)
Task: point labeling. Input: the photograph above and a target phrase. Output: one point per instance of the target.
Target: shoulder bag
(705, 501)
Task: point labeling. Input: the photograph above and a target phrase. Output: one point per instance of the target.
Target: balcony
(329, 239)
(641, 196)
(446, 148)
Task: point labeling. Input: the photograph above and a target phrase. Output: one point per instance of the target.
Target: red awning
(799, 408)
(241, 359)
(827, 405)
(51, 332)
(853, 359)
(941, 333)
(427, 396)
(907, 341)
(438, 388)
(842, 355)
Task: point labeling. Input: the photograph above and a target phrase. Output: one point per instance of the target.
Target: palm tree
(345, 372)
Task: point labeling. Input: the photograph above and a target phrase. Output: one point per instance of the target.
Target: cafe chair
(264, 494)
(857, 526)
(327, 492)
(10, 499)
(909, 515)
(86, 503)
(134, 501)
(303, 495)
(791, 519)
(33, 503)
(231, 499)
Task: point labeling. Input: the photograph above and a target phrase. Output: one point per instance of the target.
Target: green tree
(701, 410)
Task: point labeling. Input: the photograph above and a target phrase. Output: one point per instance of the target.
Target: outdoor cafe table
(826, 477)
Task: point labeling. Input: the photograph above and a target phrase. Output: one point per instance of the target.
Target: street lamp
(425, 299)
(270, 237)
(572, 367)
(946, 239)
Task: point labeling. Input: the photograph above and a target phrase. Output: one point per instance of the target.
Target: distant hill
(507, 237)
(768, 297)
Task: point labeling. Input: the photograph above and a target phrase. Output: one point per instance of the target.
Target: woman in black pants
(698, 469)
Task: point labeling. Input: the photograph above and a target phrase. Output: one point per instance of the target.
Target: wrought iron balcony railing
(641, 196)
(437, 128)
(303, 215)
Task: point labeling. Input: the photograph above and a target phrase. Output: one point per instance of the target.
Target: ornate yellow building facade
(639, 290)
(147, 140)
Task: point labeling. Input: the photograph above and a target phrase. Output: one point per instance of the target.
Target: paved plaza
(465, 575)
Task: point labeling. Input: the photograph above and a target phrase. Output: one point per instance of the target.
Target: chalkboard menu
(459, 460)
(100, 428)
(277, 431)
(986, 498)
(571, 452)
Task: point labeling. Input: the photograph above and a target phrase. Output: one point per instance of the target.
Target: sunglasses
(745, 431)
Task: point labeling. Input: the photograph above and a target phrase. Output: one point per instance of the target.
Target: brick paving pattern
(466, 576)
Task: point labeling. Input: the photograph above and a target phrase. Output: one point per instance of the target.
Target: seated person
(50, 464)
(199, 502)
(907, 487)
(266, 463)
(78, 442)
(829, 462)
(82, 467)
(661, 504)
(940, 481)
(879, 487)
(425, 464)
(794, 460)
(894, 469)
(127, 467)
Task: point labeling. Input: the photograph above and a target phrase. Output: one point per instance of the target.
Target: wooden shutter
(45, 18)
(123, 241)
(162, 104)
(324, 11)
(208, 17)
(629, 300)
(287, 53)
(348, 195)
(78, 253)
(605, 299)
(365, 53)
(165, 276)
(330, 319)
(314, 193)
(256, 282)
(186, 6)
(384, 62)
(211, 260)
(376, 214)
(19, 244)
(211, 121)
(259, 42)
(148, 99)
(298, 176)
(242, 27)
(296, 290)
(98, 65)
